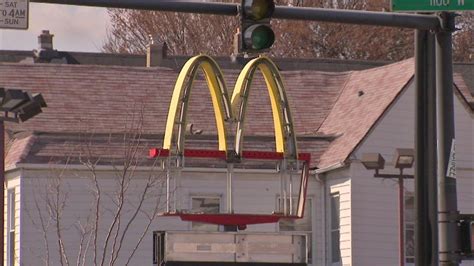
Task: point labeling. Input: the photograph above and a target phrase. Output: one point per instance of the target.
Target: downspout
(321, 178)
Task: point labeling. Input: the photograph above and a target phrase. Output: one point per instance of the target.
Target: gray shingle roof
(109, 99)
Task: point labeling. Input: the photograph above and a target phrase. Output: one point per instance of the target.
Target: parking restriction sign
(14, 14)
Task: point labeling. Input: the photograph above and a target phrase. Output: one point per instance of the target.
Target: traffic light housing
(466, 237)
(256, 35)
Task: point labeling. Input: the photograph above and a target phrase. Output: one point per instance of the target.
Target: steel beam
(426, 248)
(389, 19)
(400, 20)
(157, 5)
(447, 200)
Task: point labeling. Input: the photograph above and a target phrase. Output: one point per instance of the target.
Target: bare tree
(189, 34)
(184, 33)
(125, 195)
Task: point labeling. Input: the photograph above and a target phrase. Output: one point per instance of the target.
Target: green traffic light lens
(262, 37)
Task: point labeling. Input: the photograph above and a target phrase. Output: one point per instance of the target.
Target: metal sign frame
(228, 113)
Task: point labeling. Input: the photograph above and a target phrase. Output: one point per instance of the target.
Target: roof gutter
(329, 168)
(31, 166)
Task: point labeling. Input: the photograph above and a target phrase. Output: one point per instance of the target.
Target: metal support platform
(229, 248)
(235, 219)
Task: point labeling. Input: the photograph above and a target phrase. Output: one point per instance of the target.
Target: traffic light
(256, 34)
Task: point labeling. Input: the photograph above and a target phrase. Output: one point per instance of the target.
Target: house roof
(367, 95)
(110, 99)
(104, 99)
(111, 149)
(100, 100)
(177, 61)
(463, 89)
(362, 101)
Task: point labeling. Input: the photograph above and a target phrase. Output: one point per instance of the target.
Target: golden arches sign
(285, 138)
(234, 110)
(180, 100)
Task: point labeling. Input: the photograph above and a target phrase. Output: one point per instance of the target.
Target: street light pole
(446, 165)
(401, 217)
(426, 239)
(404, 158)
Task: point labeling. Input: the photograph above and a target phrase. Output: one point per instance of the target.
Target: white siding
(254, 193)
(13, 182)
(316, 192)
(340, 182)
(79, 206)
(374, 201)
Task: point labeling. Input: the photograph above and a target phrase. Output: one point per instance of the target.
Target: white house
(83, 162)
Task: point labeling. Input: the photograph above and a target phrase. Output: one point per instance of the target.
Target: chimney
(156, 52)
(45, 40)
(45, 52)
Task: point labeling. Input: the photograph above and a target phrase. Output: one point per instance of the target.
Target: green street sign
(432, 5)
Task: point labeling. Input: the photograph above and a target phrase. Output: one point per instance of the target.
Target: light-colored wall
(12, 182)
(339, 181)
(317, 194)
(76, 194)
(464, 158)
(254, 193)
(374, 201)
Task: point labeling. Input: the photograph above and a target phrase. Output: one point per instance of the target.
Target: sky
(80, 29)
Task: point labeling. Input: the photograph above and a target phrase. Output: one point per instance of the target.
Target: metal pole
(414, 21)
(431, 150)
(2, 180)
(401, 221)
(425, 152)
(168, 190)
(291, 192)
(159, 5)
(446, 175)
(177, 193)
(230, 172)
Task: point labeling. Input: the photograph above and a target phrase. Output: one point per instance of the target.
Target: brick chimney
(155, 52)
(45, 53)
(45, 40)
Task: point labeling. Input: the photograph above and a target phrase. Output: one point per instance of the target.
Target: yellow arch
(176, 122)
(285, 138)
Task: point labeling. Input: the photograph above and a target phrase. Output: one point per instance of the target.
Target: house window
(11, 227)
(409, 212)
(335, 228)
(204, 204)
(303, 225)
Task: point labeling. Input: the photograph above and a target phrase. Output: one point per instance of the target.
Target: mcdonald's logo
(226, 111)
(177, 112)
(230, 114)
(285, 138)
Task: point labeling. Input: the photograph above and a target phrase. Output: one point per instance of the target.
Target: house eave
(329, 168)
(32, 166)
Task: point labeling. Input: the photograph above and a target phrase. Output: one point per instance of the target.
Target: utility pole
(447, 200)
(426, 222)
